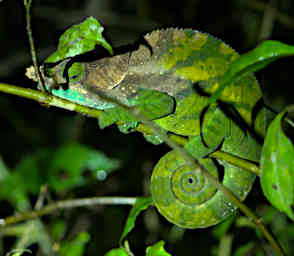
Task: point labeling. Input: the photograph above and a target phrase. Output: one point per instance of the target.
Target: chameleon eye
(74, 77)
(76, 72)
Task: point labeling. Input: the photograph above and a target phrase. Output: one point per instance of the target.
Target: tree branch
(67, 204)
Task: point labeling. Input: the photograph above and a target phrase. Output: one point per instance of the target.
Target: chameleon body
(170, 78)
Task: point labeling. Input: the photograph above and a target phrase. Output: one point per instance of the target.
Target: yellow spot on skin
(203, 70)
(183, 48)
(171, 212)
(233, 93)
(194, 73)
(234, 57)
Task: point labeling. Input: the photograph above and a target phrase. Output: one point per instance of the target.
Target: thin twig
(30, 227)
(260, 6)
(236, 161)
(67, 204)
(27, 5)
(267, 25)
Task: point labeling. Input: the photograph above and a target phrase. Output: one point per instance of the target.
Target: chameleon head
(75, 71)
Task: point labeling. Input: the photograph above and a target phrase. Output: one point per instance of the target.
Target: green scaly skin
(183, 67)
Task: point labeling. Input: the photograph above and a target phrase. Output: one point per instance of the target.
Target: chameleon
(169, 74)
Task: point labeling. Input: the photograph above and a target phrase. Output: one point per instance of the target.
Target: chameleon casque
(170, 78)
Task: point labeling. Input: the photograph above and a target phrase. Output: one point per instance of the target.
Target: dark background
(27, 126)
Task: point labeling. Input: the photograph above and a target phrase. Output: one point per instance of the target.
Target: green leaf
(29, 170)
(70, 161)
(140, 205)
(277, 168)
(244, 249)
(57, 229)
(221, 229)
(19, 198)
(110, 116)
(75, 247)
(157, 250)
(117, 252)
(254, 60)
(153, 104)
(26, 179)
(79, 39)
